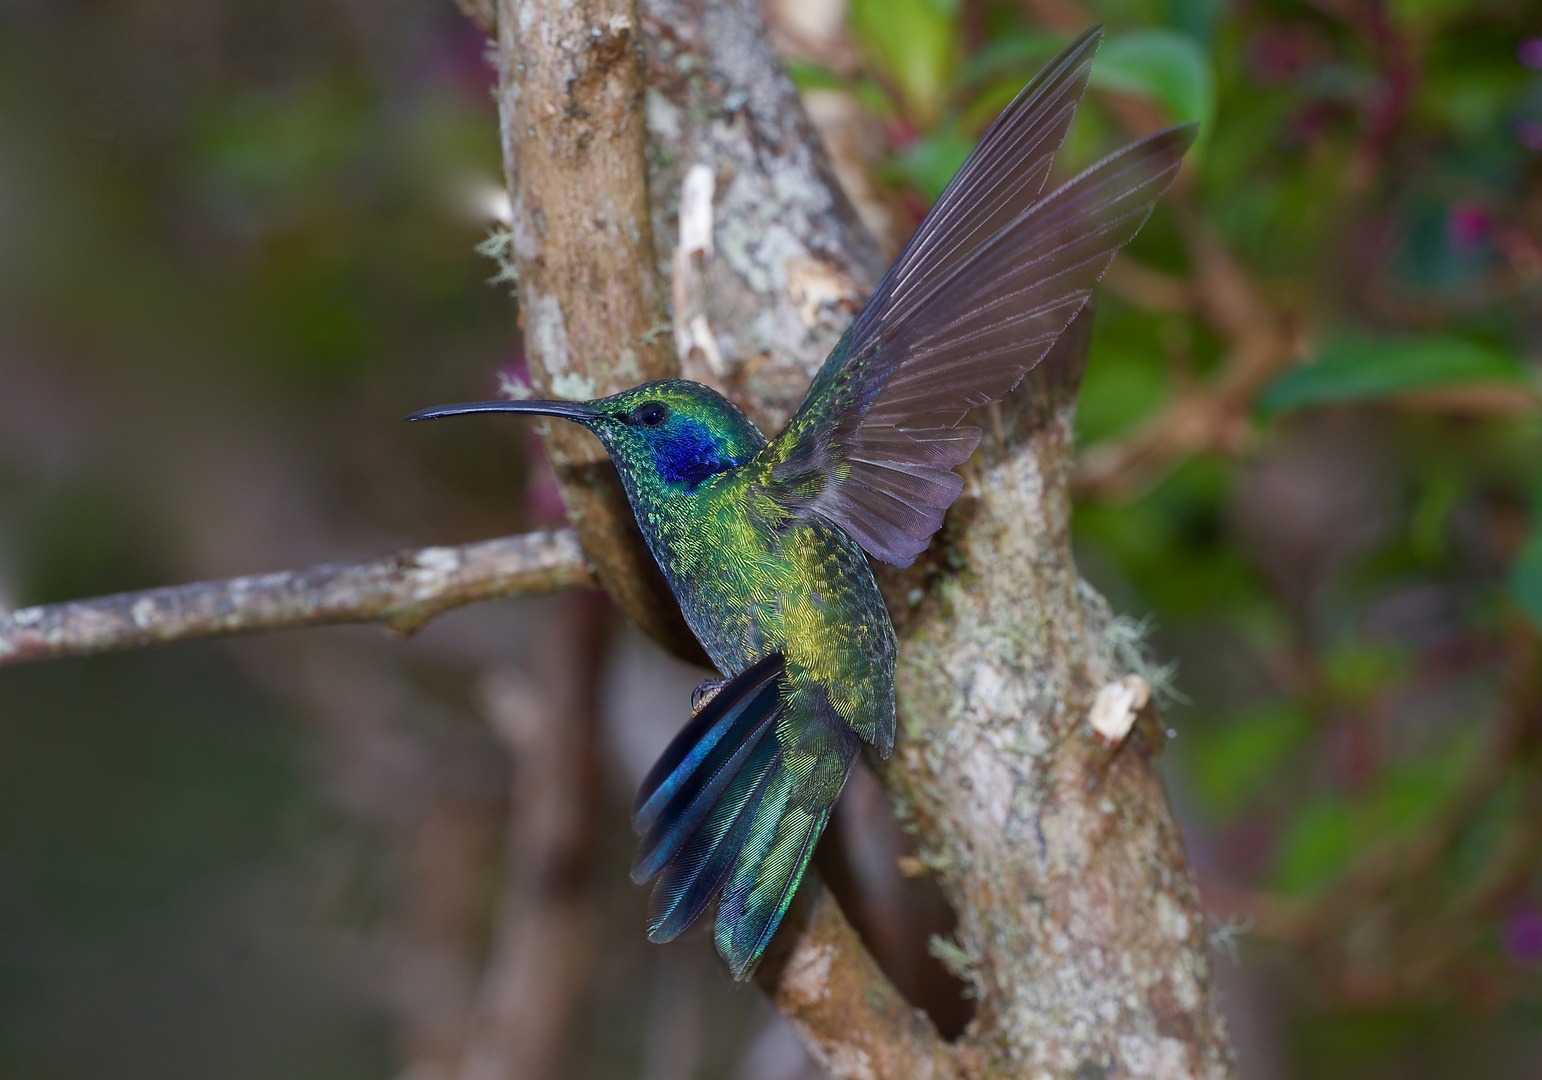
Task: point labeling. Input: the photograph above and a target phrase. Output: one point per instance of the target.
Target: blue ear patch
(685, 452)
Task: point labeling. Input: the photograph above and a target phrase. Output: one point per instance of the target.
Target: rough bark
(816, 969)
(402, 591)
(786, 264)
(788, 261)
(570, 117)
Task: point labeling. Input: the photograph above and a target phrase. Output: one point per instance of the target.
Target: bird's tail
(735, 806)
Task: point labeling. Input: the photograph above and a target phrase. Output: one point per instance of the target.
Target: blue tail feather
(735, 807)
(696, 875)
(692, 794)
(788, 823)
(698, 738)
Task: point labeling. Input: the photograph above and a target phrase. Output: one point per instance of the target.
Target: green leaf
(1236, 761)
(1327, 833)
(267, 147)
(1526, 576)
(1357, 368)
(1168, 67)
(1412, 794)
(1019, 54)
(929, 163)
(806, 75)
(1357, 669)
(1197, 18)
(915, 42)
(1427, 16)
(1316, 846)
(1122, 386)
(1164, 65)
(1427, 523)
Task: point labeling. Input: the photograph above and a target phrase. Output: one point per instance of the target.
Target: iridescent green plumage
(765, 544)
(752, 583)
(751, 578)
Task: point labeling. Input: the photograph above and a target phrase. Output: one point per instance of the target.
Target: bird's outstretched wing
(978, 296)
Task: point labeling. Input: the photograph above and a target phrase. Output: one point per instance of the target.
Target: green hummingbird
(766, 543)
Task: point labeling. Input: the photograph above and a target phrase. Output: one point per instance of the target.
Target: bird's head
(673, 433)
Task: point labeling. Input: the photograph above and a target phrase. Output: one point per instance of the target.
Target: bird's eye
(650, 414)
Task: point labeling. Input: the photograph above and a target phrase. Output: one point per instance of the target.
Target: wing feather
(980, 295)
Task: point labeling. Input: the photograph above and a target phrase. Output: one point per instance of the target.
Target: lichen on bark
(791, 260)
(570, 119)
(1076, 907)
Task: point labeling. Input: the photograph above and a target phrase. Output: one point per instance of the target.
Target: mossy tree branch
(401, 591)
(572, 110)
(1079, 920)
(822, 979)
(571, 120)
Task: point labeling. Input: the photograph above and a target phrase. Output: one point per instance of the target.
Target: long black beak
(568, 410)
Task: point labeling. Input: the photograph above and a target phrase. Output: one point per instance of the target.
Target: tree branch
(719, 98)
(790, 261)
(403, 591)
(571, 107)
(570, 114)
(1079, 921)
(824, 981)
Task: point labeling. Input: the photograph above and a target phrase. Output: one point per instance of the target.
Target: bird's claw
(705, 693)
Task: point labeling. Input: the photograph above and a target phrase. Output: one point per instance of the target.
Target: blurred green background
(236, 244)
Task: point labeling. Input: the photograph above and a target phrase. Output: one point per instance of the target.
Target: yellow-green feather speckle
(749, 580)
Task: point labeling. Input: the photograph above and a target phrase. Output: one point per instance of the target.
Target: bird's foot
(705, 693)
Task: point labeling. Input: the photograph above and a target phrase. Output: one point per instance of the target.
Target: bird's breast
(748, 590)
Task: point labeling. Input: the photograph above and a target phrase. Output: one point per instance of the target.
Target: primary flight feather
(765, 544)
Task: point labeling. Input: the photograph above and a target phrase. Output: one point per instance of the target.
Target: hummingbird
(765, 543)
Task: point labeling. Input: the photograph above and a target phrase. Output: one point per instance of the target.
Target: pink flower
(1523, 936)
(1279, 53)
(1467, 224)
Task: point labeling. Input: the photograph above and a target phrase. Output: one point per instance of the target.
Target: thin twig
(1213, 416)
(402, 591)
